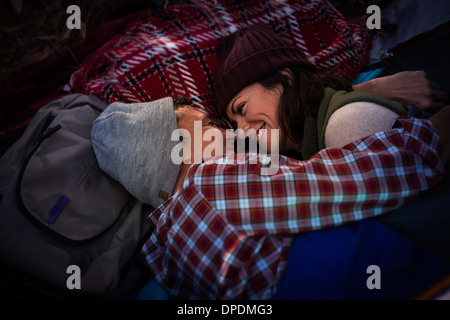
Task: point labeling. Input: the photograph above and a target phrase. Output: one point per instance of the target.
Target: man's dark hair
(180, 101)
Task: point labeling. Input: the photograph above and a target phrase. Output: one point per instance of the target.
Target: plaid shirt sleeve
(227, 233)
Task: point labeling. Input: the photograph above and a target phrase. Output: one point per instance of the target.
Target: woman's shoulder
(355, 121)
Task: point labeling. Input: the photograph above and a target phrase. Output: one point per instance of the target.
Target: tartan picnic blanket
(172, 51)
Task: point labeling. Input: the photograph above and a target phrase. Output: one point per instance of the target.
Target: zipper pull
(38, 142)
(49, 132)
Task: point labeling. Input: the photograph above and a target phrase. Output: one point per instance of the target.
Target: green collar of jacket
(314, 127)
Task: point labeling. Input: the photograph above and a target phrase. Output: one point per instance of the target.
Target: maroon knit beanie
(248, 55)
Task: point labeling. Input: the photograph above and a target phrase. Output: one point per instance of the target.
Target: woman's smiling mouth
(261, 131)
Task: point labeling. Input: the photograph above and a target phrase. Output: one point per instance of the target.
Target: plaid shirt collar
(227, 233)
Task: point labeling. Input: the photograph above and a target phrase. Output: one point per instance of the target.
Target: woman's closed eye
(240, 108)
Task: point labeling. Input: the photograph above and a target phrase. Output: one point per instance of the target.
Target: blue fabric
(152, 290)
(417, 113)
(366, 76)
(332, 264)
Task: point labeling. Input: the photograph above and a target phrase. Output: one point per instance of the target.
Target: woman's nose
(246, 129)
(242, 127)
(242, 124)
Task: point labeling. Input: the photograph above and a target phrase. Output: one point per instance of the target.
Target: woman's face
(256, 107)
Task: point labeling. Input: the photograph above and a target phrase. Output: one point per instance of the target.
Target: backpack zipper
(45, 133)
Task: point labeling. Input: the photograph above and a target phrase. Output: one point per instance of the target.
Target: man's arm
(366, 178)
(227, 232)
(409, 88)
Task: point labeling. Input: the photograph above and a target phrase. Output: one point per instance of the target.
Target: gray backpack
(66, 228)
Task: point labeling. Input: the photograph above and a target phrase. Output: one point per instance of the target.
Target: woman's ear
(288, 73)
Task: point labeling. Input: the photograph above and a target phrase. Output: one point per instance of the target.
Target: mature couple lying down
(222, 229)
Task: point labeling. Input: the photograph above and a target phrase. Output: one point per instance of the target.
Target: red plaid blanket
(173, 51)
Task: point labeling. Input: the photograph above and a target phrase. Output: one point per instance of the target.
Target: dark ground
(33, 30)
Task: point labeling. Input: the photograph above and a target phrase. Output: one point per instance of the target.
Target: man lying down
(223, 227)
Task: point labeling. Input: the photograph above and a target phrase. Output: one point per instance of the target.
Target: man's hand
(409, 88)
